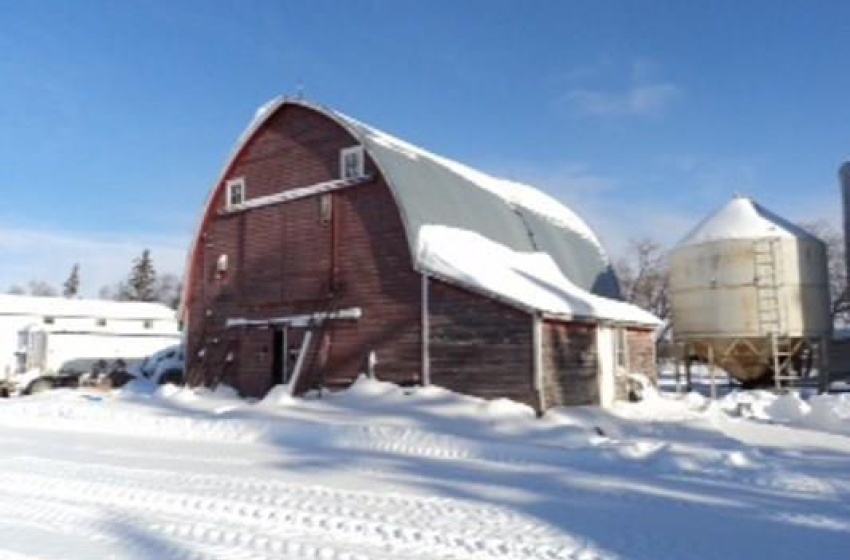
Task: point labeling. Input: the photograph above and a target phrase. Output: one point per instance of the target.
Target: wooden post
(688, 381)
(537, 358)
(299, 363)
(711, 372)
(680, 350)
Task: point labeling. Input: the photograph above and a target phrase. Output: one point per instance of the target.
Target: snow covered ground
(381, 472)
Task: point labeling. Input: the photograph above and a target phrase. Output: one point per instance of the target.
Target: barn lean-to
(328, 249)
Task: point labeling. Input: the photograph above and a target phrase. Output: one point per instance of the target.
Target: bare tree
(16, 290)
(41, 288)
(167, 290)
(645, 278)
(839, 298)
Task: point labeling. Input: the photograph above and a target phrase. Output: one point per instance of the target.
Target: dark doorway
(279, 357)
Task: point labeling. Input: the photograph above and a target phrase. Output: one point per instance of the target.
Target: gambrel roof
(433, 192)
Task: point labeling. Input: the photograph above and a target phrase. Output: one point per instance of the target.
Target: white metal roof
(96, 308)
(742, 218)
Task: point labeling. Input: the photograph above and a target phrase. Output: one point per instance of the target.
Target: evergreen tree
(71, 287)
(141, 284)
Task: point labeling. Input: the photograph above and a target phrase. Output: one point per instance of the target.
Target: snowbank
(827, 412)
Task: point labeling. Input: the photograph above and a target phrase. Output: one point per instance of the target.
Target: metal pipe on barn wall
(844, 176)
(426, 333)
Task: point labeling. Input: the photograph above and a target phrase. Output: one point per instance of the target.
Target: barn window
(235, 193)
(351, 162)
(325, 209)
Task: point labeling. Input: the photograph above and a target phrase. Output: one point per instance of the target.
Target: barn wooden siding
(480, 346)
(291, 258)
(284, 260)
(641, 358)
(570, 364)
(642, 353)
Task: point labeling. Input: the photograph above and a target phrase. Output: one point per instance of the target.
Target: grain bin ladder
(767, 274)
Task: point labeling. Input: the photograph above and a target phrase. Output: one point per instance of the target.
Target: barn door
(607, 365)
(291, 347)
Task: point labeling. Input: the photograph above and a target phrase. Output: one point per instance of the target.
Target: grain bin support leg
(774, 351)
(823, 365)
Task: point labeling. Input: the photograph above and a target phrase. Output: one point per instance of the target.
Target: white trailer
(46, 342)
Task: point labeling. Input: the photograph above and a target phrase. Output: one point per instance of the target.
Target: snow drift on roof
(98, 308)
(742, 218)
(531, 280)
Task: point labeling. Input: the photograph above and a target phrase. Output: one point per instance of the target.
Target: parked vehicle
(54, 342)
(165, 366)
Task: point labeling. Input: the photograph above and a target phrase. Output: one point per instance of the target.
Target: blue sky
(116, 117)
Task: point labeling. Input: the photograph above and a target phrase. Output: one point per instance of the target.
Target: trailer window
(49, 320)
(101, 322)
(148, 324)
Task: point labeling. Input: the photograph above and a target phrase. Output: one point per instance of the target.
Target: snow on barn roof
(431, 190)
(742, 218)
(95, 308)
(531, 280)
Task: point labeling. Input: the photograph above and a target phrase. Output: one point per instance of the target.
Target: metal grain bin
(750, 290)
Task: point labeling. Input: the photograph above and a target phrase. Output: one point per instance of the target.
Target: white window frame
(232, 185)
(357, 152)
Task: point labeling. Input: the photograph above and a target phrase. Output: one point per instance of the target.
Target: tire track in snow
(419, 511)
(306, 518)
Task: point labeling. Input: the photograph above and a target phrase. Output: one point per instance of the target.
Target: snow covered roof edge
(531, 281)
(64, 307)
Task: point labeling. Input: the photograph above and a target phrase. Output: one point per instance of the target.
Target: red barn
(328, 249)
